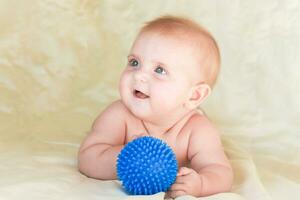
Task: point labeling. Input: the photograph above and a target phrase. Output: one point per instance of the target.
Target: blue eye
(133, 62)
(160, 70)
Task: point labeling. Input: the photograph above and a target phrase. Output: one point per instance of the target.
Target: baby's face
(159, 76)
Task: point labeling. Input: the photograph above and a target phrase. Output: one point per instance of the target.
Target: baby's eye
(133, 62)
(160, 70)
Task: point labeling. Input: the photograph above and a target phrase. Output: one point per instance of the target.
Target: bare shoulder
(109, 127)
(201, 125)
(115, 112)
(117, 107)
(204, 136)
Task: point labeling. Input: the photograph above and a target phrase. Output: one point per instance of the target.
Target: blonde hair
(183, 27)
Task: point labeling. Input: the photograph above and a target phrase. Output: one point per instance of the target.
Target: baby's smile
(139, 94)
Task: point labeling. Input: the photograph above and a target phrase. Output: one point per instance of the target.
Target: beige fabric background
(60, 62)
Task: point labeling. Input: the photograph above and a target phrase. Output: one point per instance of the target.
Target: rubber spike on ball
(146, 166)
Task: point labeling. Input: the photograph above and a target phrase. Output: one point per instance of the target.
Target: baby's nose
(141, 76)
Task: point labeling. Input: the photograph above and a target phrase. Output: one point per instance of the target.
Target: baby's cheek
(162, 97)
(124, 78)
(170, 93)
(124, 84)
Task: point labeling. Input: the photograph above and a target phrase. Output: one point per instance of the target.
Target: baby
(172, 67)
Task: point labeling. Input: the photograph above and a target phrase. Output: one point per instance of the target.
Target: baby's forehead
(186, 38)
(192, 42)
(173, 46)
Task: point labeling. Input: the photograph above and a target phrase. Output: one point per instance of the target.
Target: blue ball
(146, 166)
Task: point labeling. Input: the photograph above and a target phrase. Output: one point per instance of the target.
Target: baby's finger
(182, 179)
(177, 186)
(177, 193)
(183, 171)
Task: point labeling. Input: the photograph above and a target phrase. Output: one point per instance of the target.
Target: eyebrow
(134, 55)
(162, 64)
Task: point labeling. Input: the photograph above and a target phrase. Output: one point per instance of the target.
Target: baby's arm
(210, 171)
(208, 158)
(98, 152)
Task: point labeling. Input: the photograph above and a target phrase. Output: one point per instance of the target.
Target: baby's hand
(188, 182)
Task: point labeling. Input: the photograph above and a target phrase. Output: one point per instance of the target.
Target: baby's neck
(162, 127)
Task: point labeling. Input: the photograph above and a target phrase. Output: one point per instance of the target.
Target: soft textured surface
(60, 62)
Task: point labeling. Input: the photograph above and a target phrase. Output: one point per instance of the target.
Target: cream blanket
(59, 66)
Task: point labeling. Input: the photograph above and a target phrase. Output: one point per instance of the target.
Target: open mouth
(140, 95)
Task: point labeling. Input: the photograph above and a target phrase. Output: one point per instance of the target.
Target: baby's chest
(134, 130)
(177, 141)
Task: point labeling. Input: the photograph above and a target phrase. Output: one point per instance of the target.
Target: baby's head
(172, 66)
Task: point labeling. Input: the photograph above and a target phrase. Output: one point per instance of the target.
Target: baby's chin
(141, 108)
(140, 112)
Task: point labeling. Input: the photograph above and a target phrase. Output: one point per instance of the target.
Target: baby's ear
(198, 94)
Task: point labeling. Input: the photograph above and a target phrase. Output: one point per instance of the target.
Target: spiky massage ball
(146, 166)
